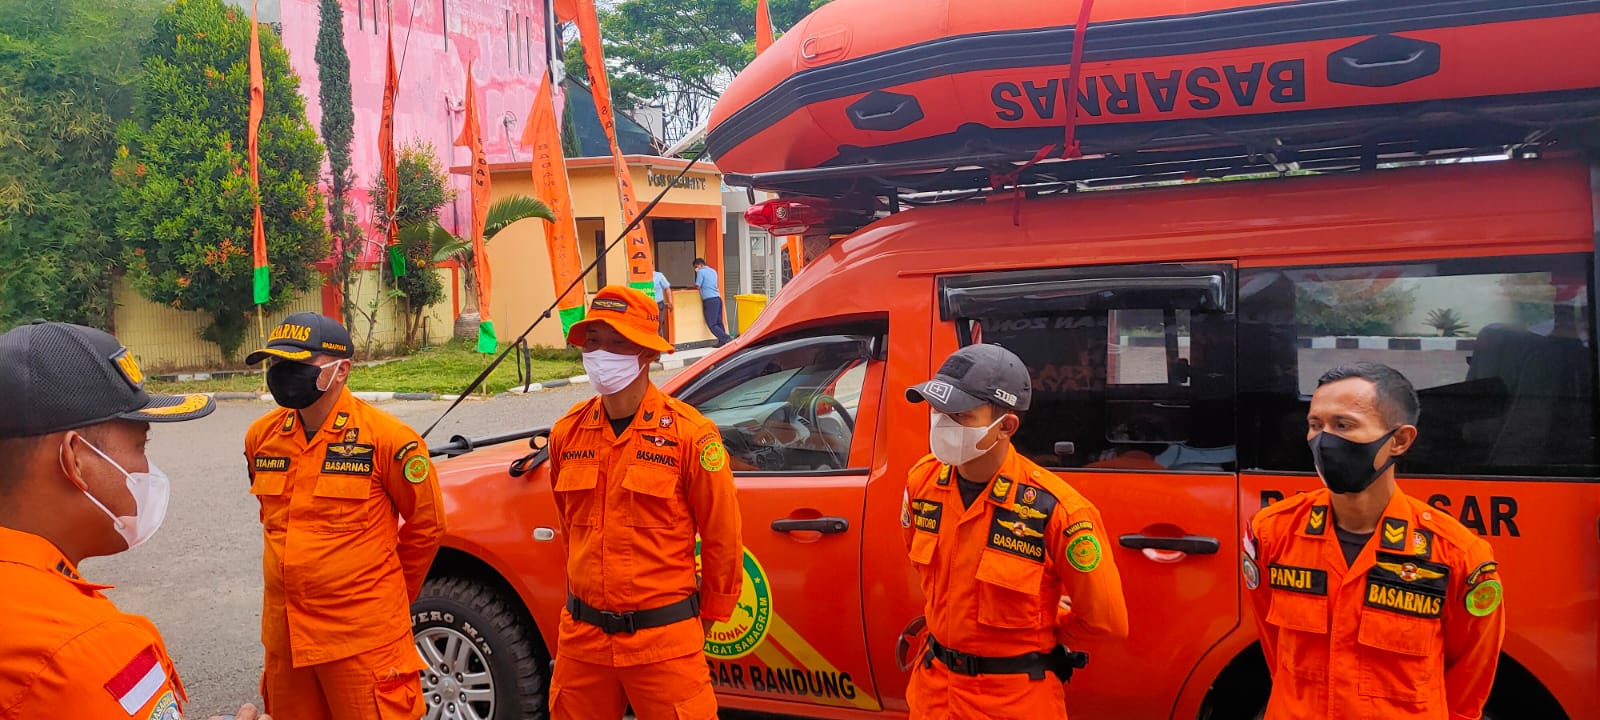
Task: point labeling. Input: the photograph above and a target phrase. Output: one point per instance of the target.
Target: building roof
(632, 137)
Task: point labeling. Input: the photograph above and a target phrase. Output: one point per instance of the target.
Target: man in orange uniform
(335, 476)
(75, 483)
(1370, 603)
(999, 544)
(637, 475)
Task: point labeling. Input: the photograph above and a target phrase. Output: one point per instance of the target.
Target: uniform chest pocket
(1400, 655)
(575, 486)
(268, 488)
(1302, 622)
(653, 498)
(923, 545)
(1008, 591)
(339, 503)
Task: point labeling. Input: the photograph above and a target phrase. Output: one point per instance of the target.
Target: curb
(378, 397)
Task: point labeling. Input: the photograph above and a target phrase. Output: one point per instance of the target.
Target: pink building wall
(433, 42)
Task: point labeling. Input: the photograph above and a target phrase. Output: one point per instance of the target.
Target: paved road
(199, 578)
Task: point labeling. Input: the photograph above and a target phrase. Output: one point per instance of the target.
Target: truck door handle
(1191, 544)
(824, 525)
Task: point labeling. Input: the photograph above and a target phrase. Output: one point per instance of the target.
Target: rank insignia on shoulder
(288, 423)
(405, 450)
(1394, 534)
(944, 474)
(1317, 524)
(340, 420)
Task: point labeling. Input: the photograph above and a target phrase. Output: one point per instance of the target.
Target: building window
(527, 41)
(511, 54)
(444, 22)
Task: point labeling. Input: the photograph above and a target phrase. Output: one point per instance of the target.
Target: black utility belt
(1035, 664)
(612, 623)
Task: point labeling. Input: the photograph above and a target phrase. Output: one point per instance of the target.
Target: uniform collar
(651, 410)
(25, 548)
(290, 422)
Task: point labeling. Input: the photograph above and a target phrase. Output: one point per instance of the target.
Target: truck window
(1500, 350)
(790, 406)
(1132, 367)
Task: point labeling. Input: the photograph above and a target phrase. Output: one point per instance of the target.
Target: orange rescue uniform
(341, 569)
(1412, 629)
(67, 651)
(631, 506)
(993, 576)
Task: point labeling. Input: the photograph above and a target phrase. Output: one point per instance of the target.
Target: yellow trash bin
(749, 306)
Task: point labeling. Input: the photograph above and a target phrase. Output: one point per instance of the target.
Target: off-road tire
(503, 635)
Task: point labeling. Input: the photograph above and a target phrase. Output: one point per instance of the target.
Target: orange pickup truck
(1174, 335)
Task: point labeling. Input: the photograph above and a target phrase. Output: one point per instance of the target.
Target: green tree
(424, 188)
(338, 129)
(448, 246)
(680, 53)
(1351, 308)
(67, 75)
(186, 193)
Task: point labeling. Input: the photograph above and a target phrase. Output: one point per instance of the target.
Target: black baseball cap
(974, 375)
(302, 335)
(57, 376)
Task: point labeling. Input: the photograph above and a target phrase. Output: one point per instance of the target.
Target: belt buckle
(962, 663)
(622, 621)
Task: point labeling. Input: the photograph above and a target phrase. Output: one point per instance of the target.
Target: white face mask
(610, 372)
(150, 490)
(956, 444)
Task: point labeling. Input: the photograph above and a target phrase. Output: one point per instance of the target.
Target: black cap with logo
(974, 375)
(302, 335)
(57, 376)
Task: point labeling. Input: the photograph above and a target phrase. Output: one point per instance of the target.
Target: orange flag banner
(797, 254)
(386, 154)
(472, 139)
(641, 261)
(763, 27)
(262, 286)
(551, 184)
(565, 10)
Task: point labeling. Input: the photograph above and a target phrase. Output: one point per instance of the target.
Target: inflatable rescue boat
(864, 82)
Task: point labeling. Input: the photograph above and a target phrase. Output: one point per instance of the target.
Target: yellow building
(687, 224)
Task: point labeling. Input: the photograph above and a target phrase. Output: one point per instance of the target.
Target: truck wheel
(483, 660)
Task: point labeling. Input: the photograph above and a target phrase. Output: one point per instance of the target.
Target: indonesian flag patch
(138, 682)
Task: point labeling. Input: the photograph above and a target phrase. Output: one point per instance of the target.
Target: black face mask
(1346, 466)
(294, 385)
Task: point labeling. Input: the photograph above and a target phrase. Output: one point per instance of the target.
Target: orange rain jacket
(630, 507)
(1411, 630)
(993, 574)
(341, 570)
(67, 651)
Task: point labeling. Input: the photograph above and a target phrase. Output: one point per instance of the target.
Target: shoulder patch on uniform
(405, 450)
(166, 708)
(1317, 520)
(1484, 598)
(905, 508)
(1482, 572)
(1393, 534)
(1252, 574)
(288, 422)
(713, 457)
(416, 470)
(137, 683)
(1002, 487)
(340, 420)
(944, 474)
(1039, 499)
(1248, 539)
(1083, 553)
(1078, 527)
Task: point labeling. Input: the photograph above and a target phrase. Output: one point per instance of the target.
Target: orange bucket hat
(626, 310)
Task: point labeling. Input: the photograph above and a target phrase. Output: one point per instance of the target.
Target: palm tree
(446, 245)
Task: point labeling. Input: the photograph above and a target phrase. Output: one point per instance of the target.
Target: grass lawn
(445, 370)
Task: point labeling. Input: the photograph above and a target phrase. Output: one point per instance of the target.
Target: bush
(1351, 308)
(186, 195)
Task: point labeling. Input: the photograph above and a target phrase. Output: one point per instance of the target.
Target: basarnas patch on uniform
(1252, 574)
(1083, 552)
(1484, 599)
(416, 469)
(713, 457)
(166, 708)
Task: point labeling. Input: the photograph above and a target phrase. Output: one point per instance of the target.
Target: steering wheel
(821, 404)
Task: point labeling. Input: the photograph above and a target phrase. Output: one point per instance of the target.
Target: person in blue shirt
(663, 302)
(710, 299)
